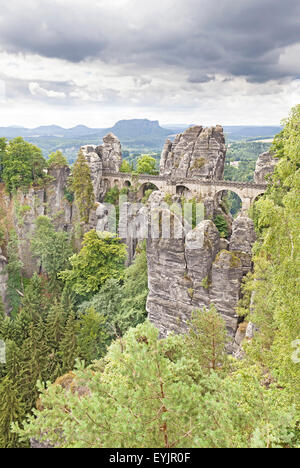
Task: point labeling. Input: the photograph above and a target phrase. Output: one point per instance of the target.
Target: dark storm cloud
(229, 37)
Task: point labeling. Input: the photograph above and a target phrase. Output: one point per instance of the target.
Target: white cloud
(36, 90)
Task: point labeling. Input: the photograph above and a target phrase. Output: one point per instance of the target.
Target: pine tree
(92, 336)
(11, 410)
(68, 345)
(52, 248)
(14, 266)
(35, 302)
(56, 320)
(206, 339)
(83, 187)
(34, 359)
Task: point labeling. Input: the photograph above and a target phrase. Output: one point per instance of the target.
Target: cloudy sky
(93, 62)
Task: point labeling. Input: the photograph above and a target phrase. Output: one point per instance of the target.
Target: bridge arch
(183, 191)
(144, 187)
(232, 200)
(257, 197)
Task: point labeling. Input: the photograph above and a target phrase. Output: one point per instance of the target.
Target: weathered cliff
(197, 153)
(196, 271)
(265, 166)
(188, 271)
(105, 157)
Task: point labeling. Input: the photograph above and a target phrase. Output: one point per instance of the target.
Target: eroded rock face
(111, 153)
(196, 271)
(28, 206)
(96, 167)
(48, 201)
(105, 157)
(265, 166)
(197, 153)
(243, 235)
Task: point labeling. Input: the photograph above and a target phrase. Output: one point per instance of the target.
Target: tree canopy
(21, 164)
(100, 259)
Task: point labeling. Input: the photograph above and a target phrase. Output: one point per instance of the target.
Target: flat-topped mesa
(197, 153)
(265, 165)
(106, 157)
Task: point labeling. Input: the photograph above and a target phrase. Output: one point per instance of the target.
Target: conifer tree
(206, 339)
(52, 248)
(14, 266)
(83, 187)
(68, 345)
(35, 302)
(11, 410)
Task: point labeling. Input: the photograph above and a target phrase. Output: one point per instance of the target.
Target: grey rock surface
(196, 271)
(96, 167)
(105, 157)
(197, 153)
(265, 166)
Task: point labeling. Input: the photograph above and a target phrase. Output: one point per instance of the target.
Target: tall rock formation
(197, 153)
(199, 269)
(195, 271)
(106, 157)
(23, 209)
(265, 166)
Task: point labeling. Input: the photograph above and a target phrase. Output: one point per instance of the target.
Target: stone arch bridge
(247, 191)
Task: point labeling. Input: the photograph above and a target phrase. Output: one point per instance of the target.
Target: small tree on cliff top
(206, 339)
(83, 187)
(57, 159)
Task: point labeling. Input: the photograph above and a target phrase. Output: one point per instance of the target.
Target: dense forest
(85, 368)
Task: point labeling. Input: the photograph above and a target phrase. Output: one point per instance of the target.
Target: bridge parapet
(213, 183)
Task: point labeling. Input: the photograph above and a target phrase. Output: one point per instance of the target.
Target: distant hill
(136, 135)
(137, 128)
(128, 129)
(237, 133)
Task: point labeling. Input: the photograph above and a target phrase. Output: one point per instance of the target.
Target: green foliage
(100, 259)
(221, 225)
(147, 195)
(57, 160)
(126, 167)
(92, 335)
(42, 343)
(82, 187)
(22, 164)
(52, 248)
(3, 144)
(182, 391)
(122, 304)
(112, 196)
(149, 392)
(11, 409)
(246, 154)
(146, 165)
(13, 268)
(275, 286)
(206, 339)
